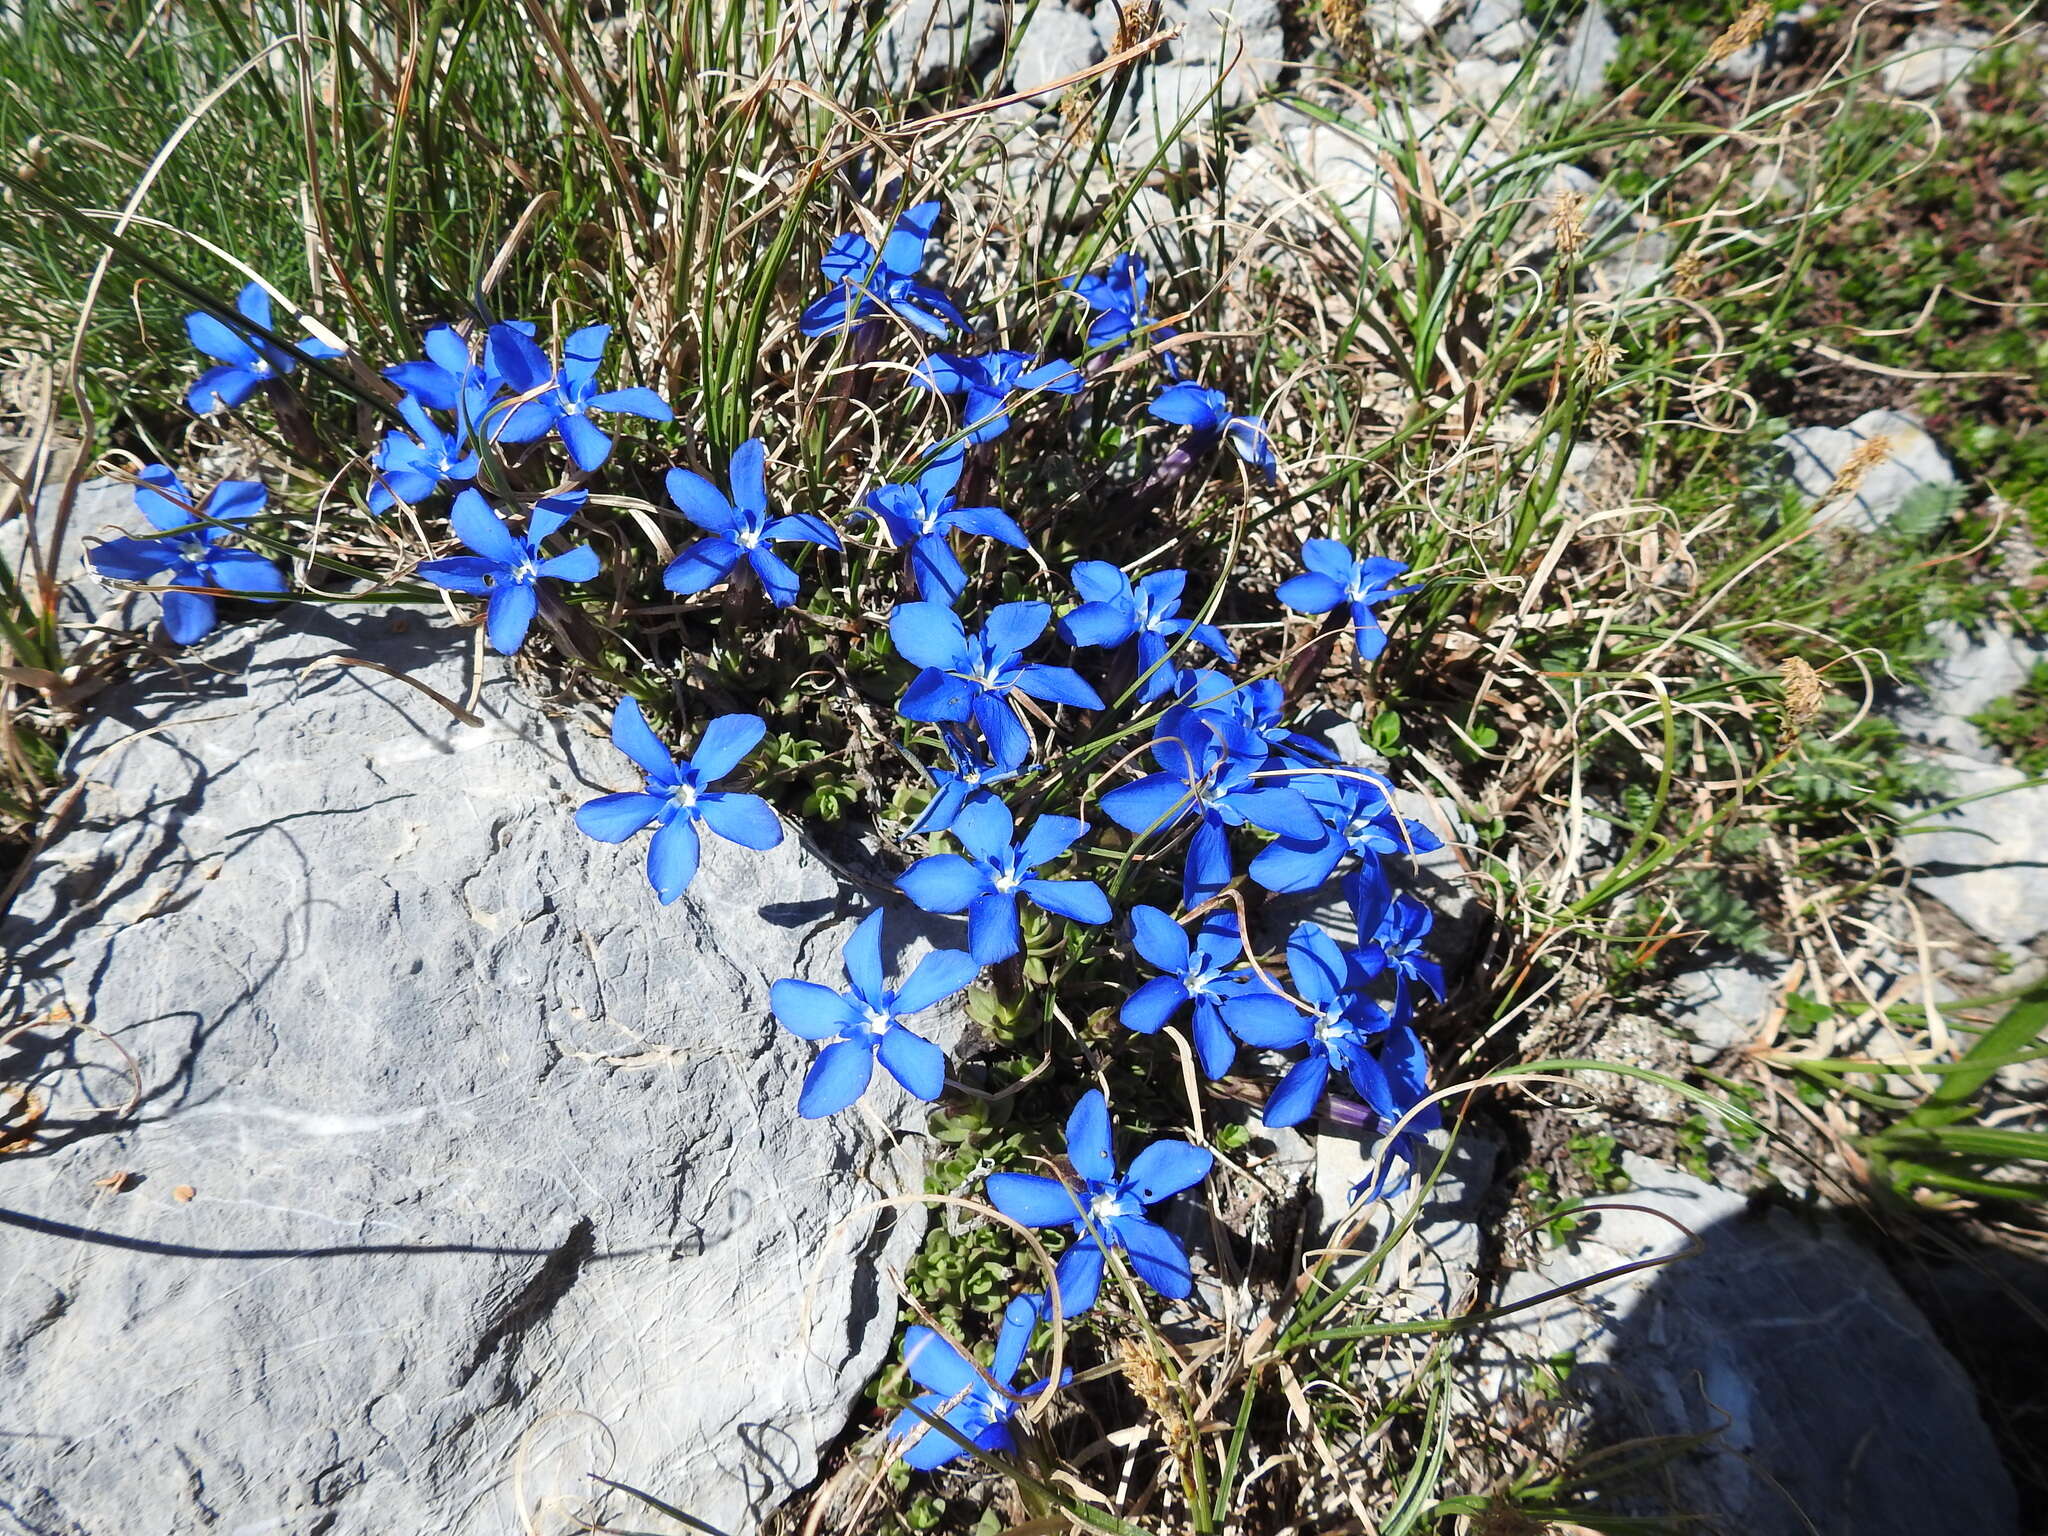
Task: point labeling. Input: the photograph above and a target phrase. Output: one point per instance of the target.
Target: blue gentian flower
(978, 1406)
(244, 359)
(1406, 1069)
(1120, 295)
(1207, 412)
(193, 556)
(1114, 610)
(1391, 928)
(996, 871)
(448, 373)
(1210, 767)
(1259, 706)
(922, 518)
(1340, 1030)
(1358, 817)
(740, 527)
(988, 381)
(1334, 577)
(974, 676)
(506, 567)
(866, 1021)
(678, 796)
(1226, 1001)
(966, 782)
(562, 399)
(1105, 1209)
(867, 282)
(412, 468)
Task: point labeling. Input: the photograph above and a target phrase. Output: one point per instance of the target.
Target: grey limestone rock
(459, 1170)
(1724, 1007)
(1824, 1401)
(1987, 860)
(1052, 45)
(1588, 53)
(1932, 59)
(1972, 673)
(1909, 460)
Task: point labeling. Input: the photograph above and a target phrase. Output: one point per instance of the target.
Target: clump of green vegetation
(2018, 723)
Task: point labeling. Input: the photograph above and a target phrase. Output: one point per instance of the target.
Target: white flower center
(875, 1019)
(684, 796)
(192, 549)
(1107, 1206)
(747, 538)
(1008, 881)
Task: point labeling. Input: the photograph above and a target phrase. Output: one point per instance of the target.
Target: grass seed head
(1865, 457)
(1568, 223)
(1742, 32)
(1804, 694)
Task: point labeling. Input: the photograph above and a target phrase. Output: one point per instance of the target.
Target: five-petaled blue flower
(1210, 766)
(996, 871)
(1391, 928)
(740, 528)
(1120, 295)
(412, 468)
(244, 360)
(507, 567)
(678, 796)
(966, 781)
(1359, 817)
(1106, 1210)
(866, 1021)
(1207, 412)
(988, 381)
(974, 676)
(1334, 577)
(545, 397)
(1114, 609)
(189, 550)
(980, 1406)
(1340, 1028)
(1226, 1001)
(866, 282)
(923, 517)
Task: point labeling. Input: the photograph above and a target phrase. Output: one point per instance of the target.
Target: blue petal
(935, 695)
(748, 474)
(701, 502)
(1009, 743)
(1316, 965)
(993, 931)
(588, 444)
(935, 1364)
(578, 564)
(984, 828)
(471, 574)
(1058, 685)
(1079, 1278)
(477, 524)
(726, 740)
(989, 523)
(1097, 624)
(806, 527)
(1088, 1138)
(1160, 939)
(1033, 1200)
(1166, 1168)
(704, 564)
(1151, 805)
(1326, 557)
(1293, 864)
(219, 340)
(862, 956)
(614, 818)
(1295, 1099)
(1149, 1008)
(809, 1010)
(1049, 837)
(914, 1062)
(1312, 593)
(1214, 1046)
(928, 635)
(938, 976)
(188, 616)
(1013, 626)
(633, 402)
(632, 736)
(1156, 1256)
(509, 615)
(1190, 405)
(838, 1077)
(162, 498)
(944, 882)
(1080, 900)
(672, 858)
(744, 819)
(777, 579)
(937, 570)
(131, 559)
(1268, 1021)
